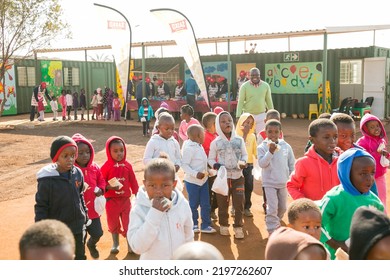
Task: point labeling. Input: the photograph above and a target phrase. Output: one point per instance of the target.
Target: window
(26, 76)
(351, 72)
(71, 76)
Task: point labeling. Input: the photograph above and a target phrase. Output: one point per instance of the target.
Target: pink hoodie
(92, 176)
(371, 143)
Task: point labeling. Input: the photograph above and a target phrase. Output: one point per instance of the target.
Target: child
(145, 113)
(370, 235)
(187, 117)
(69, 103)
(116, 104)
(100, 104)
(75, 104)
(374, 136)
(94, 184)
(197, 250)
(164, 142)
(304, 215)
(60, 193)
(83, 103)
(229, 150)
(356, 169)
(161, 219)
(194, 163)
(345, 132)
(47, 240)
(271, 114)
(54, 107)
(321, 116)
(316, 172)
(288, 244)
(159, 111)
(208, 121)
(41, 107)
(94, 103)
(118, 193)
(63, 104)
(246, 129)
(276, 158)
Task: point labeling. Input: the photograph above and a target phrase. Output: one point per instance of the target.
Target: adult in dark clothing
(83, 103)
(34, 98)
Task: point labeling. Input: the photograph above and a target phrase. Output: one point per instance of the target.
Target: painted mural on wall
(8, 91)
(302, 77)
(51, 71)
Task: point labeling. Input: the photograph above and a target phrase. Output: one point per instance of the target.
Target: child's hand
(242, 164)
(216, 166)
(272, 147)
(200, 175)
(98, 192)
(161, 203)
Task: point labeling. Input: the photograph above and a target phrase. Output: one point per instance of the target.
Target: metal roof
(73, 49)
(156, 68)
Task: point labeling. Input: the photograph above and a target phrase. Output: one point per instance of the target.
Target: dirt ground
(25, 148)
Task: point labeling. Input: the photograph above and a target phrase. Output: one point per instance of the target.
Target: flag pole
(128, 74)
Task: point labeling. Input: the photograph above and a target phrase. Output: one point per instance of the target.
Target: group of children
(106, 106)
(337, 174)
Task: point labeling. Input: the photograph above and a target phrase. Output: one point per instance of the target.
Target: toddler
(145, 113)
(161, 219)
(83, 103)
(122, 184)
(116, 104)
(54, 107)
(194, 164)
(374, 141)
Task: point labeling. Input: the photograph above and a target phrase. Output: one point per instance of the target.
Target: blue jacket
(141, 110)
(191, 86)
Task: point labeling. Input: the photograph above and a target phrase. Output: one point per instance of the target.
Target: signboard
(304, 77)
(291, 56)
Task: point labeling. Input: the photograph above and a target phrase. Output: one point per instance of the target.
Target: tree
(26, 25)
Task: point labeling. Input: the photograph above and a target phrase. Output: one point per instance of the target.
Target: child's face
(211, 127)
(308, 222)
(64, 252)
(166, 128)
(159, 185)
(184, 116)
(346, 135)
(117, 151)
(84, 154)
(374, 128)
(325, 141)
(363, 173)
(66, 159)
(145, 103)
(247, 125)
(381, 250)
(273, 132)
(226, 124)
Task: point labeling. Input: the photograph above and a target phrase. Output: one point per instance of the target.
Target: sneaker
(209, 229)
(238, 233)
(232, 212)
(196, 229)
(224, 230)
(213, 216)
(248, 213)
(92, 250)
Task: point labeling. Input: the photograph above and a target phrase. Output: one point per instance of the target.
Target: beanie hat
(43, 85)
(59, 144)
(286, 243)
(368, 226)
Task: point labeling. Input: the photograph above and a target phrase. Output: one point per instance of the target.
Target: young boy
(60, 193)
(229, 150)
(47, 240)
(321, 116)
(246, 129)
(370, 235)
(316, 172)
(54, 107)
(161, 219)
(145, 113)
(374, 141)
(345, 131)
(276, 159)
(83, 103)
(94, 185)
(208, 122)
(304, 215)
(194, 164)
(356, 169)
(122, 184)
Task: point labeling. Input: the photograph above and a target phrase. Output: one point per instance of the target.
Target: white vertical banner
(115, 32)
(182, 32)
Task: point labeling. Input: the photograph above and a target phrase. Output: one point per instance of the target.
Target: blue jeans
(199, 196)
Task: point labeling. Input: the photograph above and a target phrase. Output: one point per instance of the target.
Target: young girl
(116, 104)
(186, 115)
(63, 104)
(94, 103)
(145, 113)
(94, 185)
(83, 103)
(373, 139)
(69, 103)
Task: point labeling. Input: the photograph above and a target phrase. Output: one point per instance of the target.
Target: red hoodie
(92, 176)
(122, 170)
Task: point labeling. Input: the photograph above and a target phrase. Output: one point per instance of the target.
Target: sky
(215, 18)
